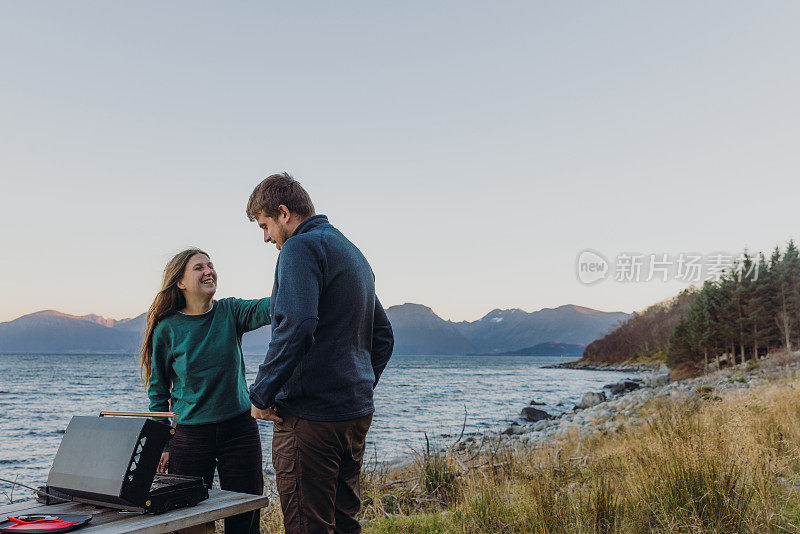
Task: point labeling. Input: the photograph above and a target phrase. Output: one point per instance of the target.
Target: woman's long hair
(169, 300)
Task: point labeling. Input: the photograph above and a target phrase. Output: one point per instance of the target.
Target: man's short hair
(275, 190)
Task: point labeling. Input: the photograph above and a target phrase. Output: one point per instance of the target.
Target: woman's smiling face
(199, 277)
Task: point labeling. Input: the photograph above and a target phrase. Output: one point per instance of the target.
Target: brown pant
(318, 466)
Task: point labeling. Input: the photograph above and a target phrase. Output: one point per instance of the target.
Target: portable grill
(112, 461)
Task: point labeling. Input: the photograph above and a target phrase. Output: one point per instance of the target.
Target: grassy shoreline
(705, 458)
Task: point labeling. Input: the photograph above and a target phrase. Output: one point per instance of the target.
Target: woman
(192, 361)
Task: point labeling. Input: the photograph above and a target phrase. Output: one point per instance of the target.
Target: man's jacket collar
(315, 221)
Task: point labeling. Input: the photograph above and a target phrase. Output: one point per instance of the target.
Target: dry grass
(710, 464)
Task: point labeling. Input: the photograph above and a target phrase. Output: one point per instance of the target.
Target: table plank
(19, 505)
(219, 505)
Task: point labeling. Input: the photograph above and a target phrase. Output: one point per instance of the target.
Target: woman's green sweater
(198, 364)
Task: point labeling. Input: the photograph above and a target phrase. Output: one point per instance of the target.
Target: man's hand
(267, 415)
(163, 463)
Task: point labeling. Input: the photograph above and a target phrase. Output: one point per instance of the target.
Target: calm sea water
(417, 395)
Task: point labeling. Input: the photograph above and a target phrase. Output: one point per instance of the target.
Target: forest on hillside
(642, 337)
(752, 308)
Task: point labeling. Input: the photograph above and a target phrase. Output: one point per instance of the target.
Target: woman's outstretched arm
(250, 314)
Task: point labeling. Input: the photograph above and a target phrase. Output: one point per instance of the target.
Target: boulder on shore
(623, 387)
(534, 414)
(591, 399)
(514, 430)
(655, 380)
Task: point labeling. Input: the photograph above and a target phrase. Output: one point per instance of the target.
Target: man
(331, 340)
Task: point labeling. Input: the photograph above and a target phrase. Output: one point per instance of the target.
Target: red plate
(64, 523)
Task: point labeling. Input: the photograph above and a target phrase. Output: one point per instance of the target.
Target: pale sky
(471, 150)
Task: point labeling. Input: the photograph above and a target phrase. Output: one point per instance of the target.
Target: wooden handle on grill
(138, 414)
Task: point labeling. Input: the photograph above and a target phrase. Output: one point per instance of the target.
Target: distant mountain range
(418, 330)
(52, 331)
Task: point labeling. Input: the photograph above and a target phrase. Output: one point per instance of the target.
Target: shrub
(437, 477)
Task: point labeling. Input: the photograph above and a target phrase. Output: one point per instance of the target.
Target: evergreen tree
(750, 305)
(763, 307)
(727, 314)
(785, 315)
(679, 346)
(791, 281)
(713, 298)
(699, 326)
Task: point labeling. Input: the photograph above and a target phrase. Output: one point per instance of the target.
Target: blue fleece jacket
(331, 339)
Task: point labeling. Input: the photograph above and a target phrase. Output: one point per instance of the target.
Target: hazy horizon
(471, 151)
(400, 304)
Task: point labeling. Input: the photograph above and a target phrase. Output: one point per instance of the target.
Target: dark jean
(317, 470)
(233, 447)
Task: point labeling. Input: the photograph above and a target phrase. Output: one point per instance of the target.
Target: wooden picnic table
(192, 519)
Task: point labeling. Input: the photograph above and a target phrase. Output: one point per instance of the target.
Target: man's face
(275, 230)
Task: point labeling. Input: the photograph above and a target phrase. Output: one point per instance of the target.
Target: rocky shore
(627, 367)
(716, 452)
(622, 403)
